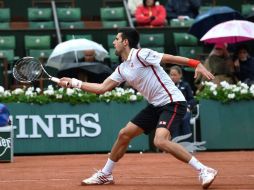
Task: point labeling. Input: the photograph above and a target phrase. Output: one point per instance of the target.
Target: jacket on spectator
(177, 8)
(187, 92)
(245, 72)
(150, 16)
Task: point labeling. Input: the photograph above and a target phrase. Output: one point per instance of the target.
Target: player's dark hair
(131, 35)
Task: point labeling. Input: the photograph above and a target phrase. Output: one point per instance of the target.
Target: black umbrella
(212, 17)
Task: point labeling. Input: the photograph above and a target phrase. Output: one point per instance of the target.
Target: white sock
(196, 164)
(108, 168)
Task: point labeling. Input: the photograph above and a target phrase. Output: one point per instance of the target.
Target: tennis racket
(30, 69)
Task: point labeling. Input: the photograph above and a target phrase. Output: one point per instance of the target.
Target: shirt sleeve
(149, 57)
(117, 76)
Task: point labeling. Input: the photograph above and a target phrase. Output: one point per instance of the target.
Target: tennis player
(167, 105)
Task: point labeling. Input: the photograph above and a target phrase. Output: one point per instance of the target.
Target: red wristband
(193, 63)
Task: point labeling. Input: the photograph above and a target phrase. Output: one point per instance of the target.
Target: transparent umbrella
(68, 54)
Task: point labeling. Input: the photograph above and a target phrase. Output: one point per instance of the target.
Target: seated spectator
(182, 9)
(175, 74)
(244, 65)
(150, 14)
(220, 64)
(133, 4)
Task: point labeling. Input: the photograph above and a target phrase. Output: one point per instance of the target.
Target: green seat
(184, 39)
(181, 23)
(114, 24)
(86, 36)
(112, 56)
(152, 40)
(37, 42)
(158, 49)
(190, 51)
(112, 13)
(247, 9)
(72, 25)
(40, 53)
(203, 9)
(39, 14)
(110, 39)
(68, 14)
(7, 54)
(4, 25)
(7, 42)
(5, 15)
(42, 25)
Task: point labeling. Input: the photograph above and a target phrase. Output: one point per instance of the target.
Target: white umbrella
(233, 31)
(66, 54)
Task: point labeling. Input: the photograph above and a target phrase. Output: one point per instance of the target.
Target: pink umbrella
(230, 32)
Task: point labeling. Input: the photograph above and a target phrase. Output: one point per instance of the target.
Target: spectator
(176, 74)
(133, 4)
(220, 64)
(181, 9)
(244, 65)
(150, 14)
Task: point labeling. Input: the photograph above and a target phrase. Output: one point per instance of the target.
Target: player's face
(175, 76)
(118, 44)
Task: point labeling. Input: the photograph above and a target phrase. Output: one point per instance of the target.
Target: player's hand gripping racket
(29, 69)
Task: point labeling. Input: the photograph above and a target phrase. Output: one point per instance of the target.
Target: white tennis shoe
(207, 176)
(99, 178)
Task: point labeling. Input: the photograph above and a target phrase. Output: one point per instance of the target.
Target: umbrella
(230, 32)
(66, 55)
(212, 17)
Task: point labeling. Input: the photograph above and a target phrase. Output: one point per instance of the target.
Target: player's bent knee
(123, 135)
(160, 143)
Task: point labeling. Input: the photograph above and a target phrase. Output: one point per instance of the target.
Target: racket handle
(54, 79)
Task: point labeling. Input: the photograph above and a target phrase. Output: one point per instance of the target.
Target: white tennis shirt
(142, 70)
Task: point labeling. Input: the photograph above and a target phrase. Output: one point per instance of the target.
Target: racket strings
(27, 70)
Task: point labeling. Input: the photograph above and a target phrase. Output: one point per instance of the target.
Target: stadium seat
(7, 57)
(190, 51)
(184, 39)
(247, 9)
(39, 14)
(5, 18)
(152, 41)
(113, 17)
(40, 53)
(181, 23)
(72, 25)
(69, 14)
(42, 25)
(70, 18)
(37, 42)
(5, 15)
(114, 24)
(72, 36)
(40, 18)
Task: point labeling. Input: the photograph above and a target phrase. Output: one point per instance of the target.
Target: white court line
(31, 180)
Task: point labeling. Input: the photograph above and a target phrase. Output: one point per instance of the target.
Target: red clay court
(135, 171)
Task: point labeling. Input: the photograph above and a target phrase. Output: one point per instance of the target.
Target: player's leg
(171, 118)
(119, 148)
(124, 137)
(143, 122)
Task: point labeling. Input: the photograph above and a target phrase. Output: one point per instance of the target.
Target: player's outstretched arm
(199, 68)
(97, 88)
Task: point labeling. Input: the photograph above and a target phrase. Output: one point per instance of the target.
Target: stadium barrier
(227, 126)
(66, 128)
(6, 144)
